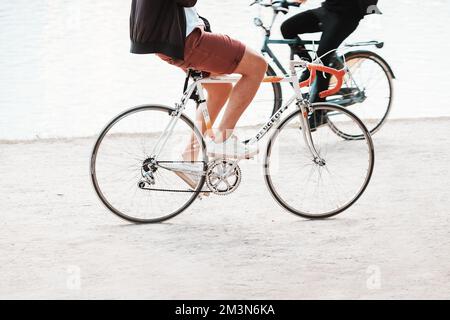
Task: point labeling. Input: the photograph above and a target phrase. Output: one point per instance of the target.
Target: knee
(286, 31)
(261, 65)
(253, 65)
(257, 67)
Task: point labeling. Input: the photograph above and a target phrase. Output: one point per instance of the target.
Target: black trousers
(335, 29)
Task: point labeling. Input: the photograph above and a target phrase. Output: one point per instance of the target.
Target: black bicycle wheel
(318, 188)
(124, 157)
(368, 91)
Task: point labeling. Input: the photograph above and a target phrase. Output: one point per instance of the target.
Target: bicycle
(138, 157)
(369, 96)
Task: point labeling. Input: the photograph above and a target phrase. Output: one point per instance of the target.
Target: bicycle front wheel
(307, 186)
(132, 180)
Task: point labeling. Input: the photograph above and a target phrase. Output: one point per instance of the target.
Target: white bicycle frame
(302, 103)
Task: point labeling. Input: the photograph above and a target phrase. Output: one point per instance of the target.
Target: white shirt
(192, 20)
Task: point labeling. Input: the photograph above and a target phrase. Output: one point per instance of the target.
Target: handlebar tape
(339, 74)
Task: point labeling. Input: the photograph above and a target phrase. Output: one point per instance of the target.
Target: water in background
(65, 66)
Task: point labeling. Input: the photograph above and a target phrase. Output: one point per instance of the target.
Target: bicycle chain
(211, 188)
(176, 191)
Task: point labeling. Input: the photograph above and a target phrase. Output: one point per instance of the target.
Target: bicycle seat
(198, 74)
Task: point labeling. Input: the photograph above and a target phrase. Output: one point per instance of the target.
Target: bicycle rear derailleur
(223, 176)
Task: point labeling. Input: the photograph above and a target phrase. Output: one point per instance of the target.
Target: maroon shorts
(209, 52)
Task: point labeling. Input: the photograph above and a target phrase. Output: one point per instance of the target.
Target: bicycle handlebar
(339, 74)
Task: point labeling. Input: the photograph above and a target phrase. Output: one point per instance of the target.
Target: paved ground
(58, 241)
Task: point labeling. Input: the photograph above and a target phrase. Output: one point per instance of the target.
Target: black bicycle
(367, 91)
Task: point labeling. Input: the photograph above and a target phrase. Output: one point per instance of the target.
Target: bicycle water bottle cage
(339, 74)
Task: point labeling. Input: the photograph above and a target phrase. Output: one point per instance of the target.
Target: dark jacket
(352, 8)
(159, 26)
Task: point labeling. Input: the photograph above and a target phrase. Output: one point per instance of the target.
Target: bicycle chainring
(220, 180)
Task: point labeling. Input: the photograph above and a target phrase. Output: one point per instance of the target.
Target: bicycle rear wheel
(314, 189)
(368, 91)
(131, 181)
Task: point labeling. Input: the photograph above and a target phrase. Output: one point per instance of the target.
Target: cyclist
(336, 19)
(176, 33)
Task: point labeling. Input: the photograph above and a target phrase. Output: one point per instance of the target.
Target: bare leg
(252, 68)
(218, 95)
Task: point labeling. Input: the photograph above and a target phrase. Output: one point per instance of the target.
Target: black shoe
(317, 119)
